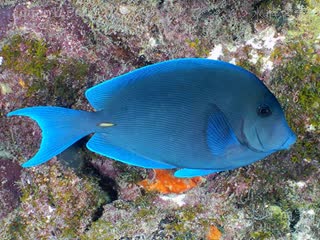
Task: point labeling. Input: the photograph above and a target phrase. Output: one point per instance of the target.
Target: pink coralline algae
(5, 19)
(9, 192)
(56, 24)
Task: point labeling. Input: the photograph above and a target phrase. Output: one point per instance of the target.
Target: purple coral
(5, 19)
(10, 173)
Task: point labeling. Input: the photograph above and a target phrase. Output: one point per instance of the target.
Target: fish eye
(264, 111)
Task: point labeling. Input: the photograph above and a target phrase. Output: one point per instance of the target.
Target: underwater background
(51, 52)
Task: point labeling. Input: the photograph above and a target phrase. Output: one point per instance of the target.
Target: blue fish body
(198, 115)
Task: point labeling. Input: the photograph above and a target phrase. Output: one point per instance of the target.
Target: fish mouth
(286, 144)
(269, 150)
(289, 141)
(244, 141)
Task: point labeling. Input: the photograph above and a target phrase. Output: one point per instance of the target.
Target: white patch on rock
(264, 41)
(124, 10)
(50, 210)
(28, 4)
(310, 128)
(295, 185)
(254, 56)
(233, 61)
(216, 52)
(301, 184)
(177, 199)
(1, 60)
(310, 212)
(5, 88)
(152, 42)
(268, 65)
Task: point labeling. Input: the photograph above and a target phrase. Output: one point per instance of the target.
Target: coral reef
(51, 52)
(54, 202)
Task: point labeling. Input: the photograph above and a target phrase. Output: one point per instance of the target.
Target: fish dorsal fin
(219, 132)
(188, 173)
(99, 144)
(99, 95)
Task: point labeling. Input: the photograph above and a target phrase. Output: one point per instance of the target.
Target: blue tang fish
(197, 115)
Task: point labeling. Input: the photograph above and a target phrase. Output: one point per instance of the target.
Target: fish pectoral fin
(99, 143)
(188, 173)
(219, 132)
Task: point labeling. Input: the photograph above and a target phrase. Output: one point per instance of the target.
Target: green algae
(201, 49)
(26, 56)
(43, 71)
(100, 230)
(72, 72)
(278, 219)
(299, 74)
(60, 202)
(261, 235)
(254, 68)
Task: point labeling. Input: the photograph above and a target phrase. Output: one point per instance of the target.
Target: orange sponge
(164, 182)
(214, 233)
